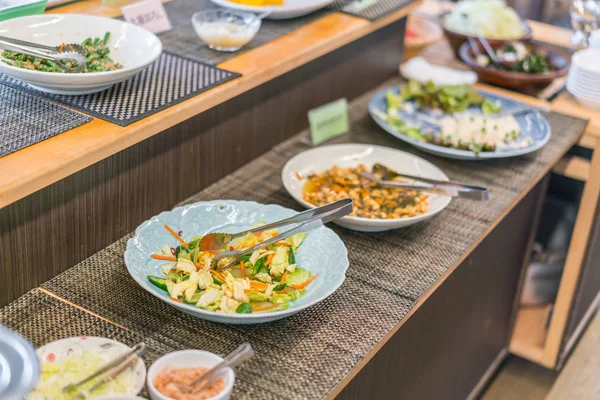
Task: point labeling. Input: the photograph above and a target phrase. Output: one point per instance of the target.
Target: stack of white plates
(584, 78)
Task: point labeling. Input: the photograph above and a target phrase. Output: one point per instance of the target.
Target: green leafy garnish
(244, 308)
(488, 107)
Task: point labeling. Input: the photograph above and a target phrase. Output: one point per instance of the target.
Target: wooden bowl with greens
(522, 65)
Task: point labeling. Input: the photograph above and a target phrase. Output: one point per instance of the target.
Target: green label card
(328, 121)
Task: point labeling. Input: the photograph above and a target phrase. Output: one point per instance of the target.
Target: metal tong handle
(444, 188)
(323, 214)
(31, 49)
(28, 44)
(129, 362)
(137, 350)
(243, 353)
(295, 219)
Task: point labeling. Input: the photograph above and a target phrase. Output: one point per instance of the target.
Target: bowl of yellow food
(280, 9)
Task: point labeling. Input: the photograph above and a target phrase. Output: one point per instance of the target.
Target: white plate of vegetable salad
(70, 360)
(458, 122)
(116, 51)
(165, 258)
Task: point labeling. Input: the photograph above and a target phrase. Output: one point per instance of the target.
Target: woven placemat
(27, 120)
(170, 80)
(388, 271)
(380, 9)
(182, 39)
(43, 319)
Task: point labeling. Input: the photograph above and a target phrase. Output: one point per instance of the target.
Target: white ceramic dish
(189, 359)
(322, 252)
(534, 128)
(587, 60)
(119, 397)
(133, 47)
(107, 349)
(349, 155)
(290, 9)
(591, 103)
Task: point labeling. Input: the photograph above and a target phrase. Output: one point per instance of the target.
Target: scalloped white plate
(322, 252)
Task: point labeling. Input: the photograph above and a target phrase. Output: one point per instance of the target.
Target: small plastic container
(21, 8)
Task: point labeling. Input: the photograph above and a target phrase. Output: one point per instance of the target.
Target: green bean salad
(97, 58)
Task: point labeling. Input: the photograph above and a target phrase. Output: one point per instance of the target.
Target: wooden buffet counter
(101, 180)
(69, 197)
(41, 165)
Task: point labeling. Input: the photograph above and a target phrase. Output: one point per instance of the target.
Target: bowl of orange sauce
(170, 372)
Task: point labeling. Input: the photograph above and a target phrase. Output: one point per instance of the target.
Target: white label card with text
(148, 14)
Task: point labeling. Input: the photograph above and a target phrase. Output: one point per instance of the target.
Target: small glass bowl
(226, 30)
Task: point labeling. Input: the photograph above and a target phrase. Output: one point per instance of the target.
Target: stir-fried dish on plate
(369, 200)
(97, 58)
(265, 280)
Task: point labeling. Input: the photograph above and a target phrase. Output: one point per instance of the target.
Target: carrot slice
(179, 238)
(243, 268)
(269, 259)
(305, 284)
(176, 299)
(283, 244)
(250, 290)
(218, 275)
(258, 285)
(265, 308)
(298, 176)
(287, 289)
(285, 274)
(161, 257)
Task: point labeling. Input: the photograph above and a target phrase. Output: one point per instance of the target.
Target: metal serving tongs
(444, 188)
(308, 220)
(108, 371)
(243, 353)
(64, 56)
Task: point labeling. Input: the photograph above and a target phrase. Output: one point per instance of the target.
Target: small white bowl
(226, 30)
(188, 359)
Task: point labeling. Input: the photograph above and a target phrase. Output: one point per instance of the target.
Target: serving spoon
(63, 56)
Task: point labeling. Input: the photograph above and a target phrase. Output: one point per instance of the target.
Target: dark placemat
(182, 39)
(170, 80)
(388, 271)
(380, 9)
(27, 120)
(42, 319)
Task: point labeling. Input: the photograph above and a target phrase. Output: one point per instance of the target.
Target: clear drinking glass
(584, 20)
